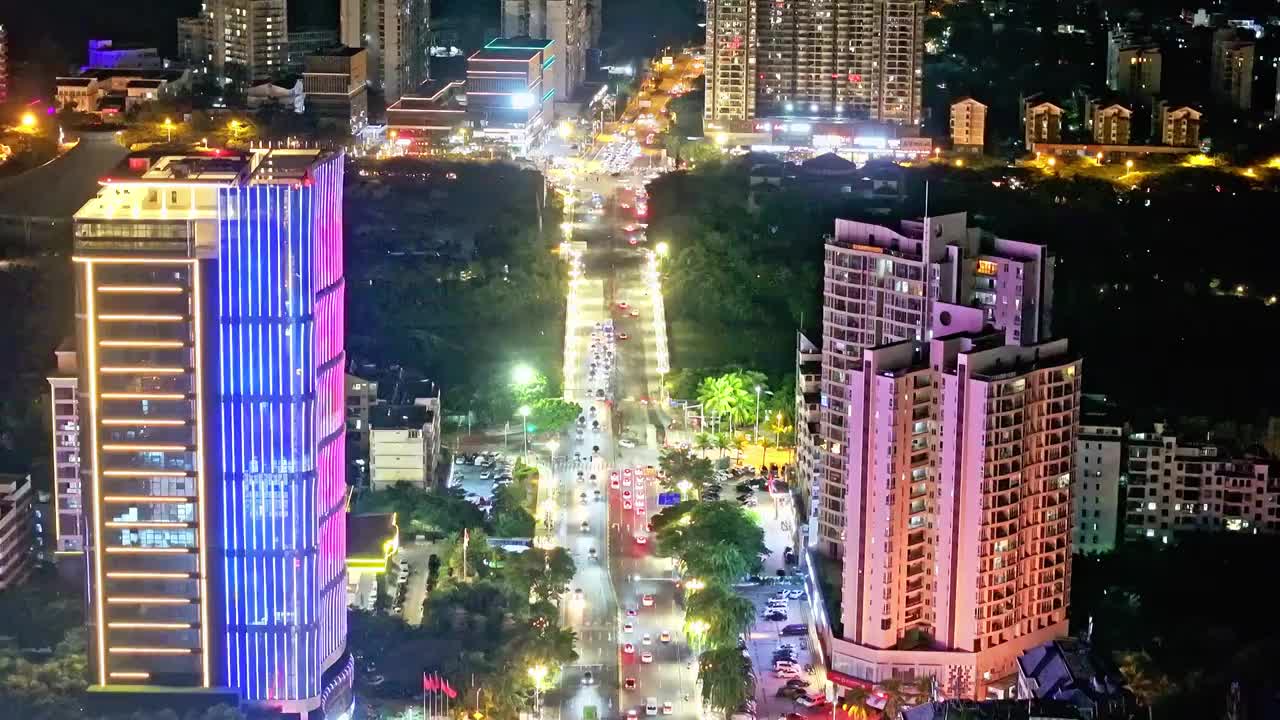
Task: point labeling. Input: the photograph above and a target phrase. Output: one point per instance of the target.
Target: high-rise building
(4, 64)
(730, 64)
(1231, 69)
(883, 285)
(808, 414)
(64, 409)
(210, 327)
(1176, 486)
(238, 39)
(307, 41)
(1095, 491)
(968, 125)
(1177, 125)
(1133, 66)
(397, 34)
(837, 60)
(958, 513)
(509, 90)
(567, 23)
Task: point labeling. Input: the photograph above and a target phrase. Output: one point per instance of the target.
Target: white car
(628, 627)
(646, 657)
(647, 639)
(627, 443)
(667, 709)
(651, 706)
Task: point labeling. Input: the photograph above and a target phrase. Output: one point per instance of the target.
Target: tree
(726, 677)
(725, 395)
(713, 541)
(542, 575)
(725, 613)
(553, 414)
(683, 466)
(528, 386)
(1149, 684)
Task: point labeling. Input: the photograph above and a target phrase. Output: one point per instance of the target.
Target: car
(810, 701)
(646, 657)
(779, 664)
(577, 593)
(592, 409)
(667, 708)
(642, 540)
(786, 672)
(631, 612)
(485, 475)
(622, 305)
(626, 494)
(797, 683)
(628, 627)
(623, 336)
(634, 313)
(651, 706)
(626, 481)
(582, 497)
(628, 648)
(794, 630)
(585, 526)
(647, 639)
(664, 637)
(646, 600)
(597, 495)
(627, 443)
(591, 553)
(613, 483)
(790, 693)
(626, 504)
(631, 714)
(588, 678)
(794, 715)
(640, 510)
(797, 594)
(629, 684)
(775, 616)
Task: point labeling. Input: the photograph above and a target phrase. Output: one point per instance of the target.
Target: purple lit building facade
(211, 322)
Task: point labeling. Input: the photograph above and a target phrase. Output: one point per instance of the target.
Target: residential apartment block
(1042, 122)
(64, 394)
(968, 125)
(1109, 122)
(397, 34)
(404, 444)
(808, 414)
(1133, 66)
(1097, 486)
(16, 529)
(958, 514)
(335, 81)
(1177, 125)
(836, 60)
(4, 64)
(238, 37)
(1231, 69)
(1177, 485)
(883, 285)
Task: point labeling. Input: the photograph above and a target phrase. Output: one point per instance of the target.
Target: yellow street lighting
(538, 673)
(662, 249)
(722, 139)
(1128, 164)
(698, 627)
(523, 375)
(695, 584)
(168, 129)
(28, 119)
(959, 162)
(1053, 161)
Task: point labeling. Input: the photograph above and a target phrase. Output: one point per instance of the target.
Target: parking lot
(477, 480)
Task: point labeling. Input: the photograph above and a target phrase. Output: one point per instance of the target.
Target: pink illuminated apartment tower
(948, 430)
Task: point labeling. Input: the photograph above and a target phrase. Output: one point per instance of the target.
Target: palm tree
(720, 441)
(702, 442)
(726, 395)
(725, 613)
(1147, 682)
(726, 677)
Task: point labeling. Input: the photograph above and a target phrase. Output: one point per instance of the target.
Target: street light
(662, 249)
(777, 428)
(553, 445)
(757, 432)
(683, 486)
(523, 375)
(168, 128)
(537, 673)
(28, 120)
(524, 415)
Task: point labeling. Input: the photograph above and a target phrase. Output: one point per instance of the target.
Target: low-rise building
(117, 88)
(968, 125)
(16, 529)
(106, 54)
(1068, 672)
(1175, 485)
(64, 383)
(990, 710)
(1109, 122)
(336, 85)
(362, 396)
(372, 540)
(284, 94)
(1097, 485)
(1176, 124)
(404, 444)
(1042, 122)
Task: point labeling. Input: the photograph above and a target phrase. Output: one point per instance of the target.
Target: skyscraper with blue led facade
(210, 307)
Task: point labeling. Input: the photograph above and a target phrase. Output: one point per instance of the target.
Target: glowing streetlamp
(683, 486)
(28, 120)
(1128, 165)
(524, 412)
(538, 673)
(168, 129)
(756, 434)
(523, 375)
(553, 445)
(1052, 161)
(662, 249)
(695, 585)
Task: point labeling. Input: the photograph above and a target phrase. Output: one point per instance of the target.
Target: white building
(404, 443)
(290, 98)
(65, 411)
(1096, 491)
(249, 36)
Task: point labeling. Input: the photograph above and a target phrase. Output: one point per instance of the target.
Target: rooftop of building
(14, 489)
(522, 42)
(372, 537)
(1067, 670)
(141, 83)
(337, 51)
(141, 73)
(992, 710)
(967, 99)
(400, 417)
(510, 49)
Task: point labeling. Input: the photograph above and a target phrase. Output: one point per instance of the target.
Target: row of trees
(715, 544)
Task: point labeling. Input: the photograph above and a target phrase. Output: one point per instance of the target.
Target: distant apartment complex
(362, 396)
(248, 38)
(1133, 66)
(16, 529)
(844, 61)
(1042, 122)
(397, 34)
(1177, 125)
(1097, 486)
(64, 403)
(1109, 123)
(968, 125)
(1176, 486)
(1231, 69)
(567, 24)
